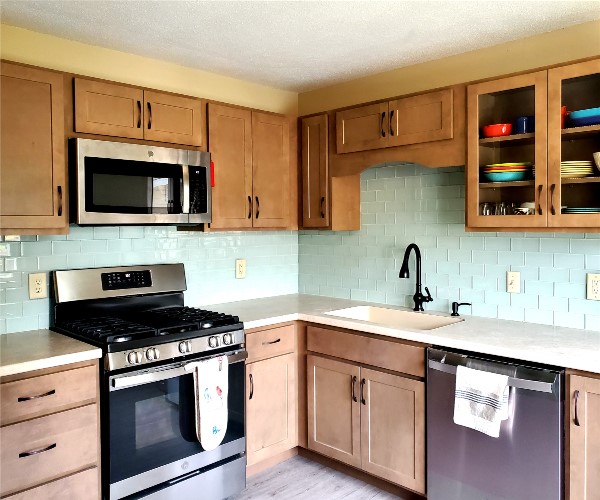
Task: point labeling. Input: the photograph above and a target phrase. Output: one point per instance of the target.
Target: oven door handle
(125, 381)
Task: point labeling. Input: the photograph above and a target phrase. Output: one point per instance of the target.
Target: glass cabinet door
(573, 138)
(506, 165)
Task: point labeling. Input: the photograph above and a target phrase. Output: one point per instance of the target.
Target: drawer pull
(251, 386)
(353, 386)
(29, 398)
(26, 454)
(272, 342)
(362, 391)
(576, 417)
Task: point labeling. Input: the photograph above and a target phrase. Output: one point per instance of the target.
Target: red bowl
(497, 129)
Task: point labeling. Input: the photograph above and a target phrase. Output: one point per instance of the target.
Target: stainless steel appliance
(118, 183)
(524, 463)
(137, 316)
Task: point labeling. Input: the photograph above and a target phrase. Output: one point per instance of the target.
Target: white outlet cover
(593, 286)
(37, 286)
(513, 282)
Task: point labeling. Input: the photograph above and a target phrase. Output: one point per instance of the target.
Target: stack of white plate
(582, 168)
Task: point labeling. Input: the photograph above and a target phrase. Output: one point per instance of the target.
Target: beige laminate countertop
(38, 349)
(564, 347)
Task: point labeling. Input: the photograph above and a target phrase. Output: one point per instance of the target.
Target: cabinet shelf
(494, 185)
(580, 131)
(582, 180)
(509, 140)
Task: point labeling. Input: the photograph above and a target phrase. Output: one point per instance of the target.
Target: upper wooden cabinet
(562, 197)
(315, 172)
(250, 151)
(408, 120)
(33, 191)
(117, 110)
(583, 463)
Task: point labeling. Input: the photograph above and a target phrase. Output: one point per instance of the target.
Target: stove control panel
(170, 350)
(126, 279)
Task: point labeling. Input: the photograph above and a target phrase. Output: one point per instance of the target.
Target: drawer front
(70, 441)
(36, 396)
(395, 356)
(268, 343)
(84, 484)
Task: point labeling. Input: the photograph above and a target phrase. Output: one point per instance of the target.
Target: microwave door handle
(186, 189)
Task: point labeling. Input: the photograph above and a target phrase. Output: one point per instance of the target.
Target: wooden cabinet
(104, 108)
(368, 418)
(408, 120)
(50, 434)
(562, 199)
(315, 172)
(271, 394)
(250, 151)
(33, 190)
(583, 463)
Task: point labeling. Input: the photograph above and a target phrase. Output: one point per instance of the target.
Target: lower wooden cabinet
(271, 394)
(583, 463)
(368, 419)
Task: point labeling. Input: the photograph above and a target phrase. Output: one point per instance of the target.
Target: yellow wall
(555, 47)
(20, 45)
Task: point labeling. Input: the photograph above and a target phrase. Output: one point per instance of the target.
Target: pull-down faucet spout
(418, 297)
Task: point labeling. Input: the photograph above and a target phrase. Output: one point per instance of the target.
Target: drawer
(70, 439)
(268, 343)
(36, 396)
(82, 485)
(396, 356)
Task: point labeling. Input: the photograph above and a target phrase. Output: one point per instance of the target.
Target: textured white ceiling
(296, 45)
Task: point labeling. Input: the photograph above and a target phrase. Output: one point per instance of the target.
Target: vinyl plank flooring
(301, 479)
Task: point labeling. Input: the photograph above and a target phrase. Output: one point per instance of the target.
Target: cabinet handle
(382, 119)
(322, 207)
(26, 454)
(272, 342)
(139, 123)
(392, 123)
(249, 207)
(362, 391)
(60, 200)
(149, 116)
(576, 417)
(552, 211)
(251, 386)
(353, 387)
(257, 207)
(29, 398)
(540, 187)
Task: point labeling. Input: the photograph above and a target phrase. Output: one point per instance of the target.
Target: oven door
(151, 435)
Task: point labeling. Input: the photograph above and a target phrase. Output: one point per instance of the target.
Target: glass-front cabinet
(530, 150)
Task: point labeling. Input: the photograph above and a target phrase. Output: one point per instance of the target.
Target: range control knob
(152, 354)
(185, 346)
(133, 358)
(213, 341)
(228, 339)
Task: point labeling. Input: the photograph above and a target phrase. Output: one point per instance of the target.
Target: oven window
(152, 425)
(132, 187)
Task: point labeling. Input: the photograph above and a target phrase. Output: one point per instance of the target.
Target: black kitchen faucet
(418, 297)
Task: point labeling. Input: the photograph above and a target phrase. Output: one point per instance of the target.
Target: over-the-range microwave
(119, 183)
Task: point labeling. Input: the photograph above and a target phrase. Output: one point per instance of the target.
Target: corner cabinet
(250, 152)
(33, 190)
(583, 463)
(315, 172)
(562, 197)
(369, 418)
(111, 109)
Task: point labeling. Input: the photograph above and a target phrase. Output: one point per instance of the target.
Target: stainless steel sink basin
(395, 318)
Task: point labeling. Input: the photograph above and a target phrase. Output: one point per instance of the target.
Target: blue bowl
(505, 176)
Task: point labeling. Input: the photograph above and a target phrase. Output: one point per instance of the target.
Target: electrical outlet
(240, 268)
(37, 286)
(513, 282)
(593, 286)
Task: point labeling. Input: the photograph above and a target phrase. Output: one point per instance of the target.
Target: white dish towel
(480, 400)
(211, 387)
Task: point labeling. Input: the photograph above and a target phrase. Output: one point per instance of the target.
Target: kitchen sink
(395, 318)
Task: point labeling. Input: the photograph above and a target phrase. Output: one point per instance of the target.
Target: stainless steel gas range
(148, 410)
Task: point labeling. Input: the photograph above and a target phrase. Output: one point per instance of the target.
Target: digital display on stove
(126, 279)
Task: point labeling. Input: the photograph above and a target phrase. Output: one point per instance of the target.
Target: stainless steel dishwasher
(524, 463)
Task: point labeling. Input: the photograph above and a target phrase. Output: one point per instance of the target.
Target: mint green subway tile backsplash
(403, 204)
(209, 259)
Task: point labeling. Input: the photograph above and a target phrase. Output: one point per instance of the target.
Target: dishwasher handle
(519, 383)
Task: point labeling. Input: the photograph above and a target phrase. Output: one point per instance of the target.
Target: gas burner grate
(204, 318)
(108, 329)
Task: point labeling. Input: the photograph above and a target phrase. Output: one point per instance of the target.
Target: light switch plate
(513, 282)
(37, 286)
(240, 268)
(593, 286)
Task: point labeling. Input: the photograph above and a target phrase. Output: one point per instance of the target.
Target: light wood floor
(300, 478)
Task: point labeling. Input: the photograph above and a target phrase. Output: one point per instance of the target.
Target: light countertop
(564, 347)
(38, 349)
